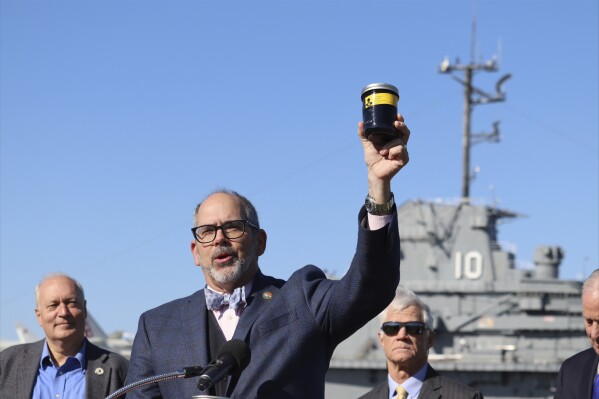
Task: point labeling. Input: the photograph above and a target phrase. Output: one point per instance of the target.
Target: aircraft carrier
(501, 329)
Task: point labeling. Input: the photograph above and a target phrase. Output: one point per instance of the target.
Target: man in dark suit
(578, 377)
(65, 363)
(291, 327)
(406, 336)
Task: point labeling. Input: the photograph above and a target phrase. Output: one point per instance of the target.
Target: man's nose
(402, 333)
(63, 309)
(220, 237)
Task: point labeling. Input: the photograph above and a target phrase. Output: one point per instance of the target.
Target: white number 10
(470, 267)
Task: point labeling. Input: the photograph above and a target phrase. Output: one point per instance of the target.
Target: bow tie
(214, 300)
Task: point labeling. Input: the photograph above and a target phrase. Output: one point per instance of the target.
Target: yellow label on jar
(380, 98)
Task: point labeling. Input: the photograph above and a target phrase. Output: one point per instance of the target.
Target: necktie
(596, 388)
(402, 393)
(214, 300)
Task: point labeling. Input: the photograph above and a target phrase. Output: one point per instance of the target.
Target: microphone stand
(187, 372)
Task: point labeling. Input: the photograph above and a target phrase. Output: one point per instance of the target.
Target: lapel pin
(267, 295)
(99, 371)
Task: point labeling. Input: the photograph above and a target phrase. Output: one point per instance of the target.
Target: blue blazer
(291, 327)
(577, 375)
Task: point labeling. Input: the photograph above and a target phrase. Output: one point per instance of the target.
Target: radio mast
(474, 96)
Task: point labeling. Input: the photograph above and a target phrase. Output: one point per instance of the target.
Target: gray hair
(591, 284)
(405, 298)
(249, 211)
(78, 286)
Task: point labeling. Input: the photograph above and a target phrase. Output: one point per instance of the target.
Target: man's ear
(262, 237)
(194, 253)
(380, 335)
(430, 339)
(38, 315)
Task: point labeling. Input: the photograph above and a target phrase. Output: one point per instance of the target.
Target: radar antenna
(474, 96)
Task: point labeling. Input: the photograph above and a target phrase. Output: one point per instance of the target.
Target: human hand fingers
(402, 128)
(361, 131)
(397, 148)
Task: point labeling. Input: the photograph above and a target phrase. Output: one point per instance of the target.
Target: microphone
(233, 356)
(187, 372)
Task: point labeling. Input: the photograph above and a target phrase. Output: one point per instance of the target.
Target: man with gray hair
(406, 336)
(578, 378)
(65, 364)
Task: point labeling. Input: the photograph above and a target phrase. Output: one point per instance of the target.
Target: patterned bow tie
(215, 301)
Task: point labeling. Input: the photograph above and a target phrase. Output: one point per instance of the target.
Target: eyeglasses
(232, 229)
(391, 328)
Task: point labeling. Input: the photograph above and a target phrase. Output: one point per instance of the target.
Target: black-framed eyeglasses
(232, 229)
(391, 328)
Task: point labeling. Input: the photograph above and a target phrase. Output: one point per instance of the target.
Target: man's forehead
(411, 313)
(220, 205)
(591, 311)
(56, 285)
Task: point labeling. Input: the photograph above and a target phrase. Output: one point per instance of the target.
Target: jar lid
(380, 86)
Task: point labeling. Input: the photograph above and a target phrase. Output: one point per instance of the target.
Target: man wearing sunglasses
(291, 327)
(406, 336)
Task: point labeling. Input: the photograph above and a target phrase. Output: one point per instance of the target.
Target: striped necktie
(596, 388)
(403, 394)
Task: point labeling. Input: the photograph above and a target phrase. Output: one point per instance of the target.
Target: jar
(379, 110)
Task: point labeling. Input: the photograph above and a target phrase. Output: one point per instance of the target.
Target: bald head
(248, 211)
(78, 287)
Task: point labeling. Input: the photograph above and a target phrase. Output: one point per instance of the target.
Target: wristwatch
(379, 209)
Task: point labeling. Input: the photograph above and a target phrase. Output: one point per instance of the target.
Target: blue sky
(117, 117)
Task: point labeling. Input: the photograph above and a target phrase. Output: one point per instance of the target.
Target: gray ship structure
(502, 329)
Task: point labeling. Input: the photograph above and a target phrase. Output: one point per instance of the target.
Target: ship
(501, 329)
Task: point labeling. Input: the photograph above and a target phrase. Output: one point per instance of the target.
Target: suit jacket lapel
(588, 377)
(193, 324)
(382, 391)
(27, 374)
(97, 373)
(431, 387)
(262, 292)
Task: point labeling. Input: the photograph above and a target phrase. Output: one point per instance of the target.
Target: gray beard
(233, 272)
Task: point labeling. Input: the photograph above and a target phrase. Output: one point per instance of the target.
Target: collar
(46, 359)
(413, 384)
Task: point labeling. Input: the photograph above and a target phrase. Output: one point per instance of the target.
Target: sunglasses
(392, 328)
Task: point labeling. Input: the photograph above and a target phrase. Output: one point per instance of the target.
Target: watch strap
(379, 209)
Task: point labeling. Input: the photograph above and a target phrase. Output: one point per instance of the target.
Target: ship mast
(474, 96)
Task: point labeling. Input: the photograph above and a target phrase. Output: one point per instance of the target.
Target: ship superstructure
(503, 329)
